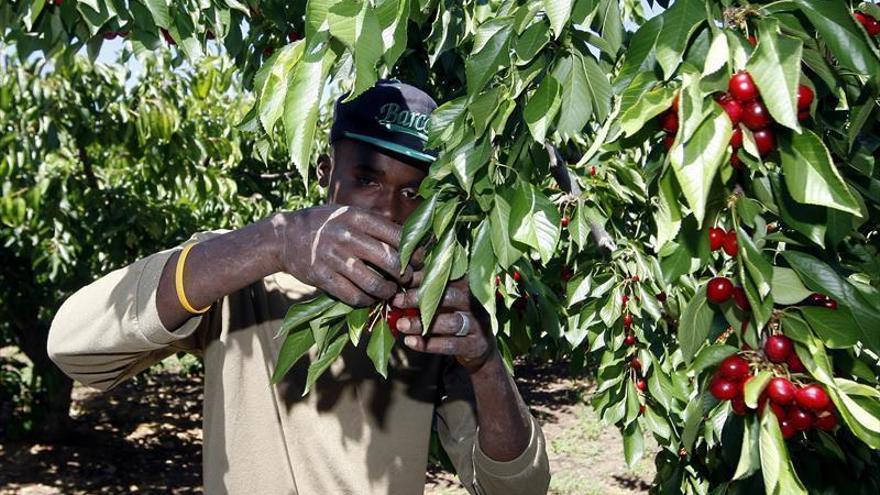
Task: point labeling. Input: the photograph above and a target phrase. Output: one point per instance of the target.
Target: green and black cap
(392, 115)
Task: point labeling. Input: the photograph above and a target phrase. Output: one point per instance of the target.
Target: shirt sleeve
(110, 330)
(528, 474)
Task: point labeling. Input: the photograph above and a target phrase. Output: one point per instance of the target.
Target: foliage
(527, 85)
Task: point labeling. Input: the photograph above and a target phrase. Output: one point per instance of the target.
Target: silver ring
(465, 325)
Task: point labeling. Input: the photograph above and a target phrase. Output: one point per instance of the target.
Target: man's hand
(458, 312)
(348, 252)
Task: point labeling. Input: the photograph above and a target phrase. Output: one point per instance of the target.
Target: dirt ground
(145, 437)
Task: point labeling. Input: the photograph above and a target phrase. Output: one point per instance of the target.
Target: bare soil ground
(145, 437)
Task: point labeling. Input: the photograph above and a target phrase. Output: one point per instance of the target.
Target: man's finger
(380, 254)
(377, 226)
(444, 324)
(454, 298)
(451, 346)
(367, 279)
(340, 287)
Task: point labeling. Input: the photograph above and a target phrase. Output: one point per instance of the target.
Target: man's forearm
(501, 413)
(218, 267)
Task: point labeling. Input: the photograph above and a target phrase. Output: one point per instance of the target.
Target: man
(224, 297)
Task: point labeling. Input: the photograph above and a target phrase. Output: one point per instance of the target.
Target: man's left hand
(456, 330)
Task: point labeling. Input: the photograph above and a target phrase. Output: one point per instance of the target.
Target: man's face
(360, 175)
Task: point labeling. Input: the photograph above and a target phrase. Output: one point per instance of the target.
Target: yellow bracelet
(178, 282)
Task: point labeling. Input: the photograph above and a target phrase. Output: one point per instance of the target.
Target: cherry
(742, 87)
(630, 340)
(293, 36)
(830, 304)
(593, 169)
(812, 397)
(778, 348)
(871, 25)
(736, 161)
(516, 276)
(818, 299)
(641, 385)
(268, 51)
(723, 389)
(109, 35)
(661, 297)
(736, 139)
(781, 391)
(716, 238)
(795, 365)
(624, 299)
(787, 429)
(566, 274)
(740, 298)
(800, 419)
(732, 108)
(731, 246)
(803, 115)
(392, 318)
(755, 116)
(627, 320)
(642, 409)
(57, 3)
(565, 221)
(669, 122)
(668, 141)
(739, 407)
(635, 278)
(674, 106)
(826, 421)
(804, 97)
(167, 36)
(719, 290)
(765, 141)
(734, 368)
(636, 364)
(777, 410)
(752, 40)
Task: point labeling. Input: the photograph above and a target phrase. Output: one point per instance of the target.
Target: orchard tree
(95, 175)
(689, 200)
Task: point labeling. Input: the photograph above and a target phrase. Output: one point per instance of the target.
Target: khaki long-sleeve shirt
(354, 433)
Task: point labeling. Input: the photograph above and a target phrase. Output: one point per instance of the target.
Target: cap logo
(396, 120)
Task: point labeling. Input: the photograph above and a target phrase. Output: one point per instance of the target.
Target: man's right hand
(348, 252)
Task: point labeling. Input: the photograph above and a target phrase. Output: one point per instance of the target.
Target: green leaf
(356, 321)
(481, 273)
(679, 23)
(443, 120)
(753, 388)
(710, 356)
(380, 345)
(667, 216)
(466, 159)
(809, 220)
(760, 270)
(697, 161)
(499, 219)
(649, 106)
(775, 67)
(300, 314)
(658, 424)
(694, 325)
(488, 56)
(786, 286)
(776, 465)
(295, 346)
(302, 105)
(639, 56)
(692, 416)
(558, 11)
(542, 107)
(531, 41)
(436, 277)
(483, 108)
(811, 175)
(633, 443)
(838, 29)
(414, 229)
(275, 83)
(159, 10)
(750, 456)
(534, 220)
(600, 87)
(574, 96)
(579, 228)
(320, 365)
(836, 328)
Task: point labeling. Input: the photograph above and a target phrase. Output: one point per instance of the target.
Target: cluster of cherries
(820, 300)
(719, 290)
(871, 25)
(397, 313)
(721, 239)
(798, 408)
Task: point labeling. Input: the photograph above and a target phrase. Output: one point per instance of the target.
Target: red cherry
(516, 276)
(736, 139)
(804, 97)
(742, 87)
(800, 419)
(669, 122)
(716, 238)
(813, 397)
(719, 290)
(167, 36)
(740, 298)
(636, 364)
(109, 35)
(831, 304)
(803, 115)
(627, 320)
(593, 169)
(624, 299)
(661, 297)
(765, 141)
(268, 51)
(642, 409)
(787, 429)
(795, 365)
(734, 368)
(777, 410)
(668, 141)
(392, 318)
(674, 106)
(732, 108)
(818, 299)
(736, 161)
(739, 407)
(731, 246)
(723, 389)
(565, 221)
(641, 385)
(57, 2)
(755, 116)
(871, 25)
(411, 312)
(780, 391)
(630, 340)
(293, 36)
(826, 421)
(752, 40)
(778, 348)
(566, 274)
(635, 278)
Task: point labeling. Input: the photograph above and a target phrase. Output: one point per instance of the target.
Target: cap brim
(391, 146)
